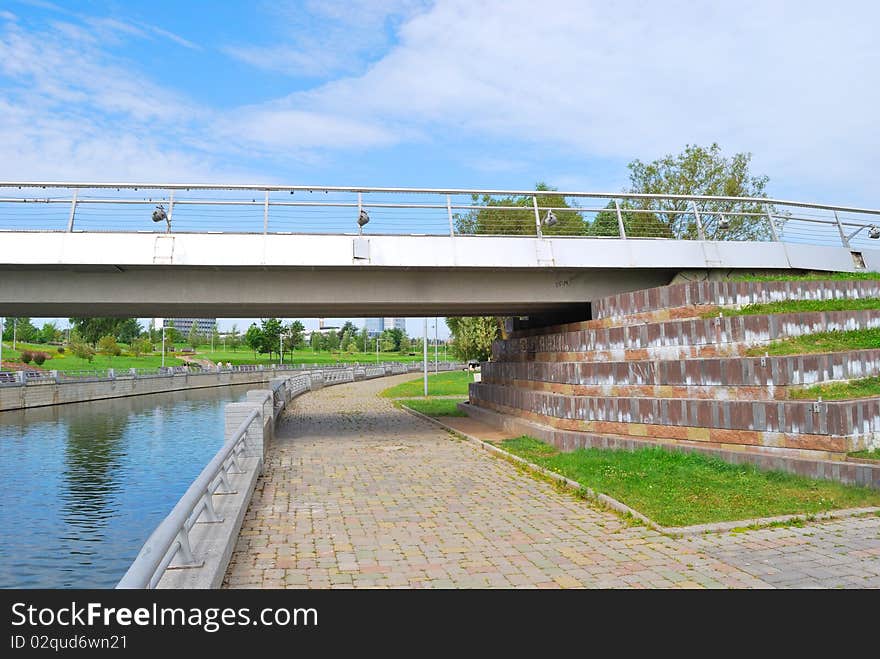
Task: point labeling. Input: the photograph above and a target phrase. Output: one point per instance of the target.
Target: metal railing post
(700, 233)
(170, 212)
(620, 220)
(773, 233)
(72, 211)
(843, 239)
(449, 213)
(537, 216)
(266, 214)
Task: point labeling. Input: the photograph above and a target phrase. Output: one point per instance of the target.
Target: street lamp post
(1, 341)
(281, 336)
(425, 355)
(163, 345)
(377, 349)
(436, 365)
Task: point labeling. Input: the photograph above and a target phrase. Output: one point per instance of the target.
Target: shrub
(40, 357)
(60, 350)
(26, 356)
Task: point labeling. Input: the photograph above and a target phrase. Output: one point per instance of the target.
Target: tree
(233, 338)
(520, 220)
(194, 338)
(331, 341)
(271, 330)
(405, 345)
(215, 336)
(472, 337)
(49, 333)
(295, 335)
(107, 346)
(348, 328)
(316, 341)
(128, 329)
(696, 171)
(254, 338)
(364, 340)
(394, 337)
(20, 328)
(81, 349)
(92, 329)
(140, 346)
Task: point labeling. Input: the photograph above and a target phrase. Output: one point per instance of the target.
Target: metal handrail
(171, 537)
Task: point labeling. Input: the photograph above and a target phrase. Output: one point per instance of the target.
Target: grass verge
(450, 383)
(680, 489)
(861, 388)
(799, 306)
(434, 406)
(866, 455)
(864, 339)
(810, 276)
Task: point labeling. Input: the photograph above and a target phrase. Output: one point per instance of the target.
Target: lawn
(864, 339)
(810, 276)
(246, 356)
(435, 406)
(67, 361)
(450, 383)
(861, 388)
(866, 455)
(680, 489)
(800, 306)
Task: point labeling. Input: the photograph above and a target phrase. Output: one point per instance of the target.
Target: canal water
(84, 485)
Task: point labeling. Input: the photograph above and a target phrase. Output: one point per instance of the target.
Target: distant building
(375, 326)
(204, 326)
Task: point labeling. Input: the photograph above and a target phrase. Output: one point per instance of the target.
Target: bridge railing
(186, 208)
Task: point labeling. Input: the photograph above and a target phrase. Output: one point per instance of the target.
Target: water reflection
(85, 484)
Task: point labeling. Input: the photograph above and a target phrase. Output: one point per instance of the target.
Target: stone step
(849, 425)
(693, 299)
(679, 338)
(764, 373)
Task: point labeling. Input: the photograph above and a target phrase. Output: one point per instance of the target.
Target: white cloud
(796, 83)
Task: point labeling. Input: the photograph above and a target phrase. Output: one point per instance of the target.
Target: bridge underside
(253, 275)
(173, 291)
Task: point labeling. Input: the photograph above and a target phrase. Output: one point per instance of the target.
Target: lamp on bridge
(159, 215)
(874, 232)
(363, 219)
(549, 219)
(723, 223)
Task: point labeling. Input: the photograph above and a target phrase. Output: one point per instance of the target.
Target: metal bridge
(248, 250)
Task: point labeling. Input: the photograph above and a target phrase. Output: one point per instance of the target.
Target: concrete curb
(618, 506)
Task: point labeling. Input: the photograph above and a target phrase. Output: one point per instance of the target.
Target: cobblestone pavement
(356, 493)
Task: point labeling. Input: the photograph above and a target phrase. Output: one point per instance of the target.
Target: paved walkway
(357, 493)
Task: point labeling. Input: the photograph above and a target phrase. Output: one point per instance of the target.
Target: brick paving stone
(357, 493)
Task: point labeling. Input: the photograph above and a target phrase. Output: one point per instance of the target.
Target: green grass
(69, 362)
(450, 383)
(246, 356)
(866, 455)
(810, 276)
(435, 406)
(679, 489)
(799, 306)
(864, 339)
(861, 388)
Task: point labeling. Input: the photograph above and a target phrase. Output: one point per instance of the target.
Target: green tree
(316, 341)
(92, 329)
(331, 341)
(215, 336)
(348, 327)
(141, 346)
(405, 345)
(81, 349)
(127, 330)
(49, 333)
(295, 335)
(696, 171)
(234, 338)
(21, 328)
(472, 337)
(107, 346)
(364, 340)
(254, 338)
(516, 215)
(394, 336)
(271, 331)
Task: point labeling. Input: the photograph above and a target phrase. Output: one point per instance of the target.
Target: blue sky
(458, 93)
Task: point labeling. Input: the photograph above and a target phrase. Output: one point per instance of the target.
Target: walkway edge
(622, 508)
